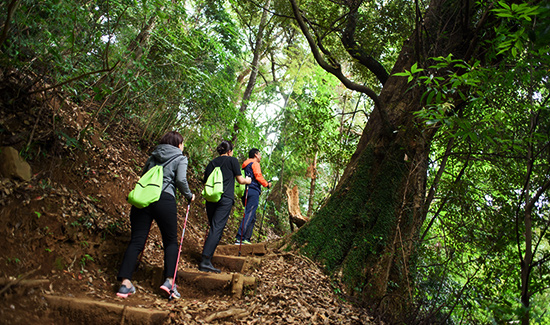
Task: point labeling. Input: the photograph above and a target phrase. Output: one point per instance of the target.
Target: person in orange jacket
(253, 170)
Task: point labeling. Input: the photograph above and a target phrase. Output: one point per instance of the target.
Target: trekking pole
(177, 261)
(263, 214)
(242, 223)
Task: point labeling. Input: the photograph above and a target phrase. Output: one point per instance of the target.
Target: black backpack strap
(223, 163)
(252, 171)
(251, 175)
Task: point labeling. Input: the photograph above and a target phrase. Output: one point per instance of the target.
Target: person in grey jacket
(164, 212)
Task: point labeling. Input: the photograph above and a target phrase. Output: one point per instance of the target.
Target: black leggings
(165, 213)
(217, 213)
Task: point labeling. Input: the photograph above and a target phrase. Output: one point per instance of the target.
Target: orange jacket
(257, 171)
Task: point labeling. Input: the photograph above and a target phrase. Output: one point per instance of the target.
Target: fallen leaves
(291, 290)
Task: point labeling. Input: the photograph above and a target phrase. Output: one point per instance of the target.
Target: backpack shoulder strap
(223, 163)
(166, 164)
(170, 160)
(251, 171)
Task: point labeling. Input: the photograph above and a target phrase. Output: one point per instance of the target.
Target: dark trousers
(246, 227)
(165, 213)
(218, 213)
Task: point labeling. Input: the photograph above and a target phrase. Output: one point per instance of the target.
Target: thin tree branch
(433, 188)
(335, 68)
(73, 79)
(11, 8)
(357, 51)
(436, 215)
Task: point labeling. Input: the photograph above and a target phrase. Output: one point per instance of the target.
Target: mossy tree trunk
(368, 230)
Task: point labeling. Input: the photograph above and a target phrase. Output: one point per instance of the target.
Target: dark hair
(224, 147)
(252, 153)
(173, 138)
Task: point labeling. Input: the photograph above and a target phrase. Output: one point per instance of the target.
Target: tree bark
(313, 176)
(294, 212)
(368, 228)
(529, 201)
(11, 9)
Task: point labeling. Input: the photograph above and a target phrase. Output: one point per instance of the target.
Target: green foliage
(459, 77)
(498, 143)
(152, 62)
(313, 115)
(513, 14)
(85, 259)
(70, 142)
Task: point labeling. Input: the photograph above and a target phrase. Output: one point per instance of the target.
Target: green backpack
(239, 189)
(213, 189)
(149, 187)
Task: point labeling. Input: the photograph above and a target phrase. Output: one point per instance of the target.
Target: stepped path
(261, 285)
(235, 261)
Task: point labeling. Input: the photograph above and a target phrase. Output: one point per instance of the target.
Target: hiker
(164, 212)
(251, 200)
(218, 212)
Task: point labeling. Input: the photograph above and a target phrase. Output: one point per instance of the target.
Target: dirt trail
(63, 234)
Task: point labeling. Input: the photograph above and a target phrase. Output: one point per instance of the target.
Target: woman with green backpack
(218, 207)
(169, 154)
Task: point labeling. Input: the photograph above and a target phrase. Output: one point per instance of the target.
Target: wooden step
(245, 250)
(239, 264)
(87, 311)
(235, 283)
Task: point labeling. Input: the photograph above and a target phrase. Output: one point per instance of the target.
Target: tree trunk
(294, 212)
(368, 229)
(527, 260)
(254, 70)
(369, 225)
(313, 175)
(11, 9)
(526, 267)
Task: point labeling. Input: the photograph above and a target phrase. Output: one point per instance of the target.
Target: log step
(234, 282)
(237, 263)
(87, 311)
(246, 250)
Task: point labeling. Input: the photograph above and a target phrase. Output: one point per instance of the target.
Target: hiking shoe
(124, 291)
(208, 267)
(244, 242)
(167, 287)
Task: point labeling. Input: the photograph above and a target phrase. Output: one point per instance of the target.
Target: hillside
(64, 231)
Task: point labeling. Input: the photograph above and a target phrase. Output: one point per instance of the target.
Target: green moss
(354, 227)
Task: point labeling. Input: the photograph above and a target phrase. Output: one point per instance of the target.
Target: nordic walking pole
(242, 223)
(263, 214)
(177, 261)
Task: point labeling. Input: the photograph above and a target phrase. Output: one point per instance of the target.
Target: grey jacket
(175, 172)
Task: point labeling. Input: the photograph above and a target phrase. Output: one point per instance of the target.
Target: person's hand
(248, 180)
(269, 185)
(192, 198)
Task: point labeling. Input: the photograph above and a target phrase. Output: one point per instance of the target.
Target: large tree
(368, 230)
